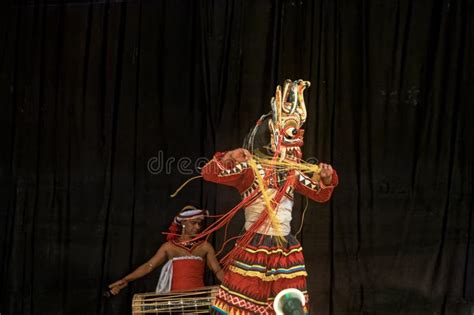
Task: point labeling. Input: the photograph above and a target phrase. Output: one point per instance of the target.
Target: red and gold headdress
(287, 117)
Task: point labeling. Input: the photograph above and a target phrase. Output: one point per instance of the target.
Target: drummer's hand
(117, 286)
(237, 155)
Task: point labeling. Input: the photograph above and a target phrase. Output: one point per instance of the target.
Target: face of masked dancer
(289, 115)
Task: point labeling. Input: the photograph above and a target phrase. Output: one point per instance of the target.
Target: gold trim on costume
(265, 277)
(274, 251)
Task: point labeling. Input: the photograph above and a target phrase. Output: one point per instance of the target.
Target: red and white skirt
(260, 271)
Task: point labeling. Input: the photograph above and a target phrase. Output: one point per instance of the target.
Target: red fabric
(257, 289)
(241, 180)
(187, 274)
(244, 290)
(173, 232)
(244, 179)
(323, 195)
(261, 290)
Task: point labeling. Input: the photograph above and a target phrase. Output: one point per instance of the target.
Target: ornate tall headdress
(287, 117)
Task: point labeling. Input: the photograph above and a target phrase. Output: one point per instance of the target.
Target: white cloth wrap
(283, 213)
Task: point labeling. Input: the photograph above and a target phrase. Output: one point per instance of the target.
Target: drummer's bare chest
(175, 251)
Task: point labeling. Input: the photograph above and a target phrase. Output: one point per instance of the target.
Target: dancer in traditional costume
(185, 258)
(267, 258)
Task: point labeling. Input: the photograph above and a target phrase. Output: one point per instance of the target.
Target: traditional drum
(196, 301)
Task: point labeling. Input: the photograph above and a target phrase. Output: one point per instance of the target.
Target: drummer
(185, 259)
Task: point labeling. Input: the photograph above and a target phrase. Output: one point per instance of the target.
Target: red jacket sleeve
(238, 175)
(316, 190)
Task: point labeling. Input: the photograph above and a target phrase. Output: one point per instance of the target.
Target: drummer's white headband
(189, 212)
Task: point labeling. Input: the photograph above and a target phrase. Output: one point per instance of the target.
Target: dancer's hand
(326, 173)
(238, 155)
(117, 286)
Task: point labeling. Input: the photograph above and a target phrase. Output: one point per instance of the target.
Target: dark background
(92, 93)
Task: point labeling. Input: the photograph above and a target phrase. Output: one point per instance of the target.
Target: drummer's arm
(159, 258)
(213, 263)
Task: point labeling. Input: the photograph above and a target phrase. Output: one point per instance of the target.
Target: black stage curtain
(108, 106)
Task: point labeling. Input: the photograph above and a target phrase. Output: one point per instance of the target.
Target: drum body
(197, 301)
